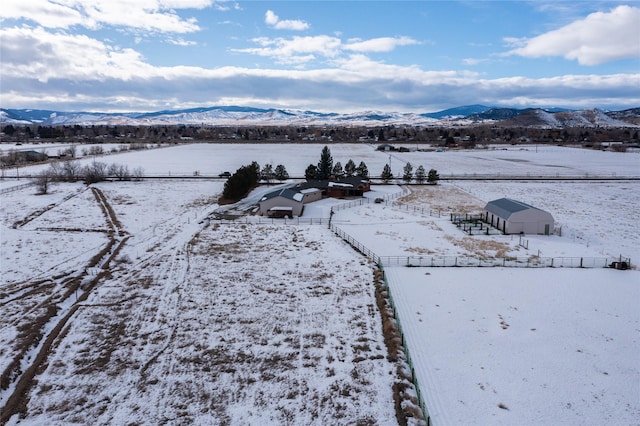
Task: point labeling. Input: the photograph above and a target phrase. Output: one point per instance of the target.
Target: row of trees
(478, 133)
(326, 169)
(73, 171)
(420, 175)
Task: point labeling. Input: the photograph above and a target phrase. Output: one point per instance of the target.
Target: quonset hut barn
(515, 217)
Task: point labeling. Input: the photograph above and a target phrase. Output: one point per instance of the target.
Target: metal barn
(515, 217)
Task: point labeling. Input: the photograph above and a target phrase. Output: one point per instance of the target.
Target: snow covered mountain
(238, 116)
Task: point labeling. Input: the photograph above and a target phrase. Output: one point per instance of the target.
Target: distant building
(32, 156)
(515, 217)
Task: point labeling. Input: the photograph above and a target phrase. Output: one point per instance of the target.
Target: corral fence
(386, 199)
(477, 261)
(418, 209)
(355, 244)
(506, 262)
(440, 261)
(263, 220)
(473, 224)
(405, 348)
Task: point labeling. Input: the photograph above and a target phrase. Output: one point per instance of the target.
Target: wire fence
(15, 188)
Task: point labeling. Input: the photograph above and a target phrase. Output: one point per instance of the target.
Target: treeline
(440, 135)
(72, 171)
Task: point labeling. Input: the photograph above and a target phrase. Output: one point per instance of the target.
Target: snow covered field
(212, 159)
(190, 321)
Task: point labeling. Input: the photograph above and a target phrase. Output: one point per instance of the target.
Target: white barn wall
(281, 202)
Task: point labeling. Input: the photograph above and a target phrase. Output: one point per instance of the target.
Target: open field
(162, 315)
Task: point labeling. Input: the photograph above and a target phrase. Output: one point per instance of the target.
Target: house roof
(353, 181)
(310, 190)
(505, 207)
(285, 193)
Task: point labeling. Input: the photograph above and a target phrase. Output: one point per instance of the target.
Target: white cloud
(181, 42)
(64, 56)
(271, 19)
(43, 12)
(381, 44)
(295, 50)
(148, 15)
(600, 37)
(473, 61)
(305, 49)
(41, 68)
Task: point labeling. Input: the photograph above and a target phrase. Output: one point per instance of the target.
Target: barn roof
(286, 193)
(505, 207)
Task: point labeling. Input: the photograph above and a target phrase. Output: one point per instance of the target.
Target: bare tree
(71, 170)
(119, 171)
(95, 172)
(43, 181)
(138, 173)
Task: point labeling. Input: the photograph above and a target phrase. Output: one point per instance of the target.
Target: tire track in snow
(17, 379)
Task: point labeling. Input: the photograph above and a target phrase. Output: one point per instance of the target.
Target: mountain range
(236, 116)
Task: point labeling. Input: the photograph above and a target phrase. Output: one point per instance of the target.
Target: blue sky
(329, 56)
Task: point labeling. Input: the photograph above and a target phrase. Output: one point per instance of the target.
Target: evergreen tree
(362, 170)
(241, 182)
(386, 174)
(433, 177)
(266, 173)
(281, 173)
(337, 170)
(350, 168)
(325, 166)
(421, 174)
(408, 173)
(311, 172)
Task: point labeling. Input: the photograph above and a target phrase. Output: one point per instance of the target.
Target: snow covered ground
(212, 159)
(194, 321)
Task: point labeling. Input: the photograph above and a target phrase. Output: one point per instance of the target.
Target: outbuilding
(515, 217)
(283, 200)
(311, 194)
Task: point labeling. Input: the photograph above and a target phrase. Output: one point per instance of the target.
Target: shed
(282, 199)
(515, 217)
